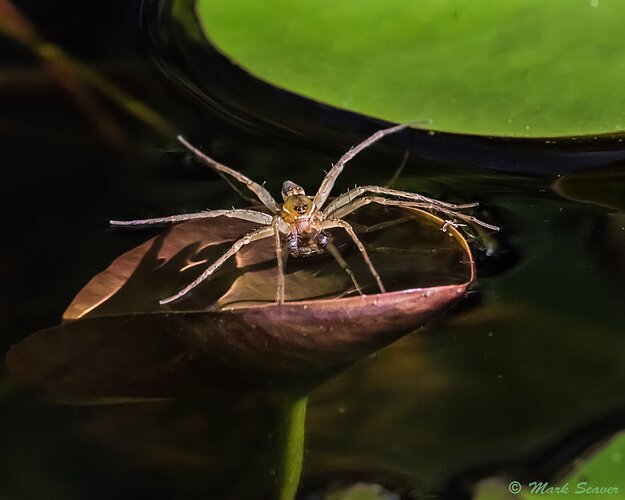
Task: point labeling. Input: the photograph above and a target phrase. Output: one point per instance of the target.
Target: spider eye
(289, 188)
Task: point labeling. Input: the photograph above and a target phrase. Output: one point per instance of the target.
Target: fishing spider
(302, 221)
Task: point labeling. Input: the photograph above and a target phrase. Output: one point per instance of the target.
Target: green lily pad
(598, 475)
(518, 68)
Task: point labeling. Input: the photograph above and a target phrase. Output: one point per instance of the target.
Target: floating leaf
(598, 474)
(118, 342)
(519, 68)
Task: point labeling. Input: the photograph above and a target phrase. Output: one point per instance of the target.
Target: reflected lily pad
(118, 342)
(600, 186)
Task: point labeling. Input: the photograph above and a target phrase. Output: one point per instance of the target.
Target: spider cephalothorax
(299, 223)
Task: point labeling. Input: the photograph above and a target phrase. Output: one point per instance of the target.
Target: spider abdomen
(305, 244)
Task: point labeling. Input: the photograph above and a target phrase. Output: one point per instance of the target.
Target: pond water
(519, 380)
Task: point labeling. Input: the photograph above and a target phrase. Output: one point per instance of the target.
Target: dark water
(520, 379)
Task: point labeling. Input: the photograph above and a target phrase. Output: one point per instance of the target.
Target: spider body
(300, 224)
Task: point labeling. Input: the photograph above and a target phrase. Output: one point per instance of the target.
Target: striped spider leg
(260, 218)
(299, 223)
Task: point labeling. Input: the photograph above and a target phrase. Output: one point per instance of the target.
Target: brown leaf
(411, 254)
(118, 342)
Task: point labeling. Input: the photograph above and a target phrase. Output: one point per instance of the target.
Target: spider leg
(330, 223)
(263, 195)
(331, 248)
(258, 234)
(350, 195)
(279, 257)
(365, 200)
(249, 215)
(328, 182)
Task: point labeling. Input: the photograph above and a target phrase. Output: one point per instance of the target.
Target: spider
(302, 222)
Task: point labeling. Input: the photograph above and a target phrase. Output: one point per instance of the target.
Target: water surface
(521, 378)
